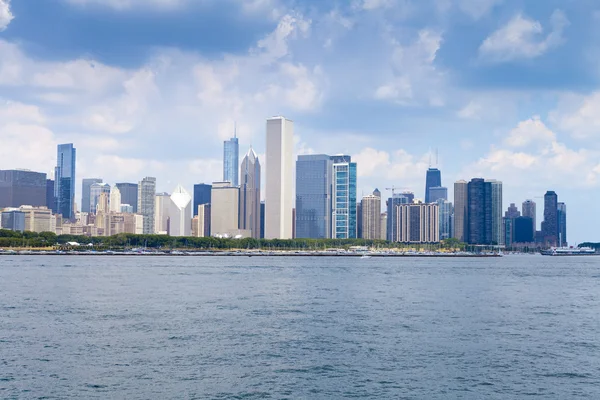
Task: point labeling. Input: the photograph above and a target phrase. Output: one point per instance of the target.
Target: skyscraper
(313, 196)
(460, 210)
(497, 235)
(231, 160)
(432, 179)
(445, 218)
(201, 196)
(250, 194)
(162, 208)
(562, 224)
(224, 213)
(384, 218)
(529, 210)
(278, 188)
(523, 230)
(550, 225)
(392, 220)
(64, 185)
(86, 185)
(115, 199)
(371, 216)
(438, 192)
(201, 222)
(129, 194)
(96, 189)
(512, 211)
(418, 223)
(50, 199)
(146, 194)
(479, 212)
(343, 201)
(20, 187)
(180, 213)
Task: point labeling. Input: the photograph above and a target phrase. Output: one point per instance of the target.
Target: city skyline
(495, 112)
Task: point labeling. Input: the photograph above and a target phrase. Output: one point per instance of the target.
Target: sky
(502, 89)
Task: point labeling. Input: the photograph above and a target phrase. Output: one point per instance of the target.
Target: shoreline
(245, 254)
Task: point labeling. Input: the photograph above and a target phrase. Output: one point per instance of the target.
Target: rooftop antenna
(430, 158)
(437, 155)
(234, 129)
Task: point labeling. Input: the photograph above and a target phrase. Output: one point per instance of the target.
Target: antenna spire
(234, 129)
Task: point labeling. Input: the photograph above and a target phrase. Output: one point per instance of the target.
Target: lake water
(254, 328)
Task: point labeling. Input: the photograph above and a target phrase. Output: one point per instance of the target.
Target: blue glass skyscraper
(432, 179)
(202, 193)
(231, 161)
(64, 181)
(344, 198)
(313, 196)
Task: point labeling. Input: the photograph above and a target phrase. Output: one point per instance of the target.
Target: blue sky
(505, 89)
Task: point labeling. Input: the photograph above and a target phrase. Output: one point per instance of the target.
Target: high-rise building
(64, 183)
(162, 209)
(460, 210)
(13, 220)
(497, 235)
(371, 216)
(359, 220)
(262, 219)
(201, 222)
(523, 230)
(562, 224)
(201, 195)
(50, 199)
(146, 194)
(22, 187)
(432, 179)
(445, 218)
(392, 220)
(313, 196)
(224, 213)
(278, 188)
(479, 212)
(180, 213)
(86, 186)
(550, 228)
(418, 223)
(250, 194)
(343, 202)
(512, 211)
(231, 160)
(383, 223)
(129, 194)
(438, 192)
(96, 190)
(529, 210)
(115, 199)
(38, 219)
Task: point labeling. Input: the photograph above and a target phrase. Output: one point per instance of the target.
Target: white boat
(365, 256)
(569, 251)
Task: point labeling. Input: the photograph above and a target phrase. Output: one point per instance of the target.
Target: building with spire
(250, 194)
(231, 160)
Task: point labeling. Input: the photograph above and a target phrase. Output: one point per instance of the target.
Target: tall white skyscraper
(115, 200)
(278, 190)
(180, 213)
(224, 209)
(146, 193)
(162, 207)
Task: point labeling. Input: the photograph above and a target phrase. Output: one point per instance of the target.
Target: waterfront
(274, 327)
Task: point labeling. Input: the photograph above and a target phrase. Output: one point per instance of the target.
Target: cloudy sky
(505, 89)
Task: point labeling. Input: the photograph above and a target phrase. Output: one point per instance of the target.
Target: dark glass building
(13, 221)
(231, 161)
(437, 193)
(523, 230)
(21, 187)
(562, 224)
(129, 195)
(313, 196)
(432, 179)
(262, 219)
(201, 196)
(86, 185)
(392, 217)
(550, 229)
(50, 199)
(64, 185)
(479, 212)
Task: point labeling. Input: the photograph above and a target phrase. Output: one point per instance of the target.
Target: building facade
(343, 202)
(129, 194)
(201, 195)
(562, 224)
(437, 193)
(64, 180)
(231, 161)
(529, 210)
(550, 229)
(497, 234)
(279, 178)
(446, 211)
(461, 196)
(146, 201)
(432, 179)
(22, 187)
(50, 199)
(13, 220)
(96, 190)
(201, 222)
(224, 213)
(313, 196)
(115, 199)
(162, 209)
(418, 223)
(392, 220)
(383, 224)
(250, 194)
(371, 216)
(180, 212)
(86, 187)
(479, 212)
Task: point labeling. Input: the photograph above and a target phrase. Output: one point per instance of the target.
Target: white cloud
(19, 112)
(471, 111)
(523, 38)
(530, 131)
(579, 115)
(27, 145)
(414, 75)
(375, 4)
(477, 8)
(275, 45)
(5, 14)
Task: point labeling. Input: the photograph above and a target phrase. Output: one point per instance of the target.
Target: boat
(569, 251)
(365, 256)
